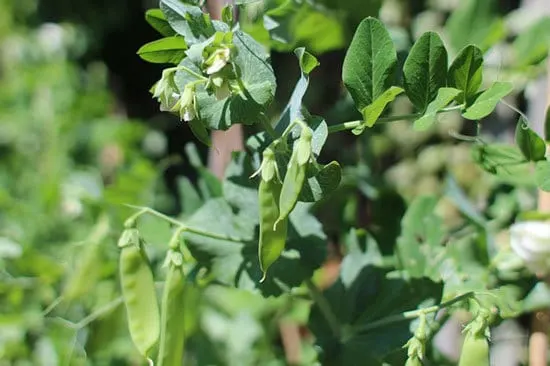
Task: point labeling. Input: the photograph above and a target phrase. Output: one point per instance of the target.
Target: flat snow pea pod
(172, 333)
(295, 176)
(138, 291)
(272, 239)
(475, 351)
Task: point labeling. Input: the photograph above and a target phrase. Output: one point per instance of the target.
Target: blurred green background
(80, 136)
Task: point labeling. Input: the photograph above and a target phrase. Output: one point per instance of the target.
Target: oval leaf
(425, 70)
(466, 72)
(531, 46)
(166, 50)
(372, 112)
(444, 97)
(158, 21)
(485, 102)
(542, 175)
(322, 183)
(530, 144)
(369, 63)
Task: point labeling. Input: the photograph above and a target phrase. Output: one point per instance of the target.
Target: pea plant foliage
(255, 229)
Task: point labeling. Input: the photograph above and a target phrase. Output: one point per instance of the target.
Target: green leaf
(475, 22)
(190, 201)
(307, 61)
(459, 198)
(158, 21)
(537, 299)
(320, 184)
(200, 132)
(373, 111)
(166, 50)
(293, 109)
(529, 143)
(209, 185)
(443, 98)
(420, 246)
(504, 161)
(247, 106)
(486, 102)
(361, 250)
(370, 62)
(425, 70)
(360, 299)
(531, 46)
(466, 72)
(189, 21)
(542, 175)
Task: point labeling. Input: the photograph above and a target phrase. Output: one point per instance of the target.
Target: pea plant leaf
(190, 21)
(364, 296)
(425, 70)
(485, 102)
(165, 50)
(231, 257)
(475, 22)
(505, 161)
(443, 98)
(157, 20)
(369, 63)
(373, 111)
(246, 106)
(466, 72)
(531, 46)
(530, 144)
(292, 111)
(321, 183)
(420, 246)
(542, 175)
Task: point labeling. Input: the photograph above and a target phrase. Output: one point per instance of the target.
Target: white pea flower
(530, 240)
(218, 60)
(187, 104)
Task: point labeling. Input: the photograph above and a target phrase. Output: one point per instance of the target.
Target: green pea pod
(172, 333)
(294, 179)
(413, 361)
(272, 240)
(138, 291)
(475, 351)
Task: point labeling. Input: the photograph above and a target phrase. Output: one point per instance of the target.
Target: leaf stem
(181, 225)
(187, 70)
(324, 307)
(412, 314)
(350, 125)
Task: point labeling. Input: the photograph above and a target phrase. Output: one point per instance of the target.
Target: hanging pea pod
(475, 349)
(172, 333)
(272, 239)
(295, 175)
(138, 291)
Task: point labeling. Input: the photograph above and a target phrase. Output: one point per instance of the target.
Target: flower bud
(187, 104)
(530, 240)
(217, 60)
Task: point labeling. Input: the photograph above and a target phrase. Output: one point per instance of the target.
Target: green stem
(350, 125)
(324, 307)
(181, 225)
(412, 314)
(187, 70)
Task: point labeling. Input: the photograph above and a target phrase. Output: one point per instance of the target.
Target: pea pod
(272, 239)
(295, 175)
(138, 291)
(172, 333)
(475, 350)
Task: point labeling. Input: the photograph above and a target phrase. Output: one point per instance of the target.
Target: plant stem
(187, 70)
(412, 314)
(181, 225)
(268, 127)
(350, 125)
(324, 307)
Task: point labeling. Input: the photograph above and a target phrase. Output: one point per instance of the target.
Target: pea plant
(256, 230)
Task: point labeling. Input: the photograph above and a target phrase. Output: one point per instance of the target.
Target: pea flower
(187, 104)
(530, 240)
(165, 92)
(217, 60)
